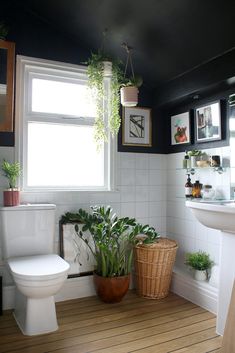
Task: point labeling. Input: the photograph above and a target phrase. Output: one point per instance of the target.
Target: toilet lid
(38, 265)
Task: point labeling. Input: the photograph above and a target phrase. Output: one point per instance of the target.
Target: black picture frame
(207, 120)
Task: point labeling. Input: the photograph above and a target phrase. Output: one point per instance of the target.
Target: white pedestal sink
(220, 215)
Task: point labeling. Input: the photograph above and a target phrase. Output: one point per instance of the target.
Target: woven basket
(153, 267)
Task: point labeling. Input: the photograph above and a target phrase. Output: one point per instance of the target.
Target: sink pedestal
(227, 276)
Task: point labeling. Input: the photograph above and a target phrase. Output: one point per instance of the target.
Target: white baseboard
(200, 293)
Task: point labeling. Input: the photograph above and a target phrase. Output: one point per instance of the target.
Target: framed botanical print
(137, 127)
(180, 129)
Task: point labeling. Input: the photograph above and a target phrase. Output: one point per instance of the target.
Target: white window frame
(27, 66)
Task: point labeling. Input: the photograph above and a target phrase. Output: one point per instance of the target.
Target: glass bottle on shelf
(196, 191)
(188, 187)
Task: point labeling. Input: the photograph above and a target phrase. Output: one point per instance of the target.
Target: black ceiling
(169, 37)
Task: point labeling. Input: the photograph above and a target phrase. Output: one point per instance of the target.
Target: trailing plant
(112, 238)
(199, 261)
(11, 171)
(95, 74)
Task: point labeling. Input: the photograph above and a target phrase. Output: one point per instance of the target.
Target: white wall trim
(200, 293)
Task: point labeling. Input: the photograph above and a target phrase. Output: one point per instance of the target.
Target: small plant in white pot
(201, 263)
(12, 171)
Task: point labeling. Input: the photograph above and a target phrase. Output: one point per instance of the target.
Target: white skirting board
(199, 293)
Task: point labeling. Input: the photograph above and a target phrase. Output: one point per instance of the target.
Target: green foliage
(196, 153)
(136, 81)
(95, 82)
(3, 30)
(11, 171)
(199, 261)
(112, 238)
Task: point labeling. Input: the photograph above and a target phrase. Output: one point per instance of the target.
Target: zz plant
(112, 238)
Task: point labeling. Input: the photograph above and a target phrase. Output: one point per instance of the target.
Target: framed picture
(180, 129)
(75, 251)
(208, 122)
(137, 127)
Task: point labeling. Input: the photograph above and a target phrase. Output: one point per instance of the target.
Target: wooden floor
(135, 325)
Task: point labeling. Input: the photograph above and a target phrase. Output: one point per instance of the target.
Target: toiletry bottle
(185, 161)
(197, 187)
(188, 187)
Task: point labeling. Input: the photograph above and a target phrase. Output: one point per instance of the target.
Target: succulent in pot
(112, 245)
(12, 171)
(129, 91)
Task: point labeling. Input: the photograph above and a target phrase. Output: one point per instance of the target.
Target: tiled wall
(181, 224)
(141, 192)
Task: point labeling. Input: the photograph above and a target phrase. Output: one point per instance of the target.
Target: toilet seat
(38, 267)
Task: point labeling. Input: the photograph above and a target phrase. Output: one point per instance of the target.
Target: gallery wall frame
(180, 129)
(208, 122)
(137, 127)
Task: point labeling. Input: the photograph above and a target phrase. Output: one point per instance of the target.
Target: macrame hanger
(128, 59)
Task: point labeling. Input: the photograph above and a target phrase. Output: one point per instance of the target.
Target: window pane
(66, 98)
(63, 155)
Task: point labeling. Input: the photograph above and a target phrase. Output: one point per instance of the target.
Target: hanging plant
(129, 87)
(98, 65)
(3, 30)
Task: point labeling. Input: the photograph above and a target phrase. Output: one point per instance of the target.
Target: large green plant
(95, 74)
(199, 261)
(11, 171)
(112, 238)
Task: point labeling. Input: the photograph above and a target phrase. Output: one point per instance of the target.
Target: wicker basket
(153, 267)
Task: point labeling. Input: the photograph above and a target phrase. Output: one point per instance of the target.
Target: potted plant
(3, 30)
(100, 66)
(201, 263)
(129, 91)
(11, 196)
(112, 247)
(195, 155)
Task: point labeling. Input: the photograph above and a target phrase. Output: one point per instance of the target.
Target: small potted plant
(201, 263)
(130, 90)
(11, 196)
(112, 241)
(195, 156)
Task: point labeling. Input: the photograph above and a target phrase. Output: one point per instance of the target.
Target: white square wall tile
(141, 193)
(127, 193)
(127, 176)
(155, 177)
(156, 209)
(141, 209)
(127, 160)
(128, 209)
(142, 161)
(156, 193)
(155, 161)
(142, 177)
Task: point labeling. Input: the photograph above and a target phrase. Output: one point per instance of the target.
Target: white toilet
(27, 233)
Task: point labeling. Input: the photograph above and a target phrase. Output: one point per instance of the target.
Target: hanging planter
(129, 96)
(129, 91)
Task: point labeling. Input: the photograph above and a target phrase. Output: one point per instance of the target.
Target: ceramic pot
(111, 289)
(107, 68)
(11, 197)
(200, 275)
(129, 96)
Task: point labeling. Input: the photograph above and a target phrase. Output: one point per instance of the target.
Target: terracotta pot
(11, 197)
(129, 96)
(111, 289)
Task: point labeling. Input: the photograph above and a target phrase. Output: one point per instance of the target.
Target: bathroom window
(55, 115)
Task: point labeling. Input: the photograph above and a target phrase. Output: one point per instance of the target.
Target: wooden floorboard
(135, 325)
